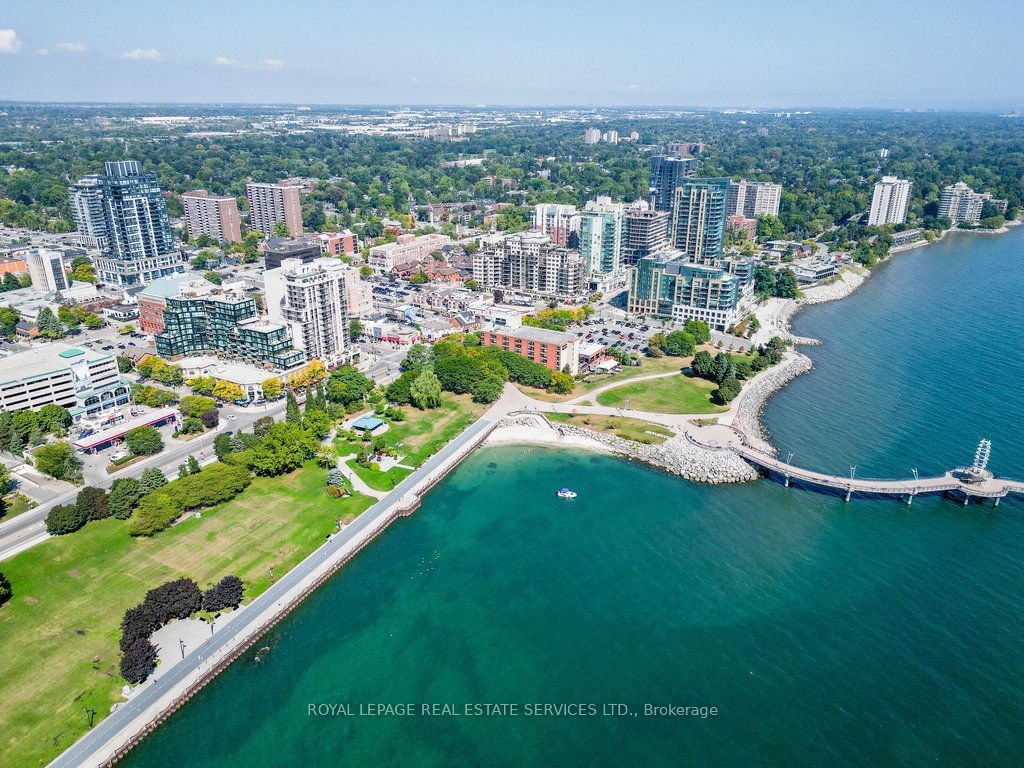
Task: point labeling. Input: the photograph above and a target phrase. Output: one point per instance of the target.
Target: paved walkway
(620, 383)
(356, 480)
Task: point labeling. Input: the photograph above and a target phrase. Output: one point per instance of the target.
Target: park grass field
(671, 394)
(378, 480)
(424, 433)
(60, 630)
(637, 430)
(648, 365)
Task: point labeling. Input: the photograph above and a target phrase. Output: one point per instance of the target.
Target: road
(29, 528)
(87, 750)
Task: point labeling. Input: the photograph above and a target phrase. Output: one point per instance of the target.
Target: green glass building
(697, 226)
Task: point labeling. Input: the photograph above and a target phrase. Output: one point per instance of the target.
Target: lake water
(824, 633)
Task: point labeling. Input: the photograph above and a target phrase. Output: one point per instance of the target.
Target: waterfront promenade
(152, 702)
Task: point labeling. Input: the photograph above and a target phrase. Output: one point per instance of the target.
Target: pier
(974, 482)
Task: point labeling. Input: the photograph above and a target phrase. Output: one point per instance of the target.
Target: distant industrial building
(215, 216)
(273, 203)
(889, 201)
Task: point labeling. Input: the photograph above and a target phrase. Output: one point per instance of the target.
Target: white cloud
(273, 63)
(9, 42)
(66, 48)
(635, 87)
(142, 54)
(224, 61)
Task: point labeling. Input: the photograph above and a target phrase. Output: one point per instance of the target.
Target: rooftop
(542, 335)
(170, 287)
(44, 359)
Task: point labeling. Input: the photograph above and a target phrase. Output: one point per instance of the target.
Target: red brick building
(552, 349)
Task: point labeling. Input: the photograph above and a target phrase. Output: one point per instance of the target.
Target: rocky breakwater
(747, 416)
(676, 455)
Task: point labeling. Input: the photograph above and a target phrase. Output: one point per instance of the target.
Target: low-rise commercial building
(277, 249)
(556, 350)
(83, 381)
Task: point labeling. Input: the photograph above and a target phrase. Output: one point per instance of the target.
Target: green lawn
(424, 433)
(60, 630)
(379, 481)
(637, 430)
(15, 504)
(671, 394)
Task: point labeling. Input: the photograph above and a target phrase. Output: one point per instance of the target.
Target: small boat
(565, 493)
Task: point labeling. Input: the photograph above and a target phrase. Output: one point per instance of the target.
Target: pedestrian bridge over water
(962, 483)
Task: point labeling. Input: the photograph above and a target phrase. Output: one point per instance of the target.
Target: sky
(771, 53)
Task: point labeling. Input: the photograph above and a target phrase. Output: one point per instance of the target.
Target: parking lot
(629, 334)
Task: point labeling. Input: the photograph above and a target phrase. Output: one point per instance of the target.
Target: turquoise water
(824, 633)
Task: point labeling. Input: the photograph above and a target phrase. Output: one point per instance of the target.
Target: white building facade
(889, 201)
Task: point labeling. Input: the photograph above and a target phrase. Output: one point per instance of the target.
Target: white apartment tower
(556, 221)
(271, 203)
(46, 268)
(961, 204)
(751, 199)
(889, 202)
(311, 299)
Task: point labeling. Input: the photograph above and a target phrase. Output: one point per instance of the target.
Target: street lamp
(914, 471)
(182, 644)
(789, 458)
(853, 471)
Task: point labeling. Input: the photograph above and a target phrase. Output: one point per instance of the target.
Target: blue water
(826, 634)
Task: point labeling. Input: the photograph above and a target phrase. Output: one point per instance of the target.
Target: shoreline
(750, 406)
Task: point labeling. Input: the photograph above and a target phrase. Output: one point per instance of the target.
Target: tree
(124, 364)
(699, 330)
(144, 441)
(355, 329)
(284, 448)
(124, 494)
(336, 477)
(425, 391)
(786, 284)
(64, 518)
(347, 386)
(318, 424)
(272, 388)
(91, 502)
(727, 391)
(418, 357)
(680, 344)
(192, 406)
(48, 325)
(58, 460)
(193, 465)
(326, 457)
(210, 418)
(764, 280)
(292, 414)
(138, 660)
(151, 479)
(222, 446)
(5, 587)
(176, 599)
(263, 424)
(154, 512)
(657, 341)
(280, 229)
(228, 391)
(214, 278)
(488, 389)
(365, 271)
(226, 593)
(54, 418)
(561, 383)
(703, 365)
(5, 481)
(138, 623)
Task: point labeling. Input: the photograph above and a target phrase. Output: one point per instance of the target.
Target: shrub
(155, 512)
(336, 477)
(226, 593)
(727, 391)
(5, 589)
(138, 660)
(92, 503)
(192, 426)
(176, 599)
(210, 418)
(211, 485)
(192, 406)
(64, 518)
(58, 461)
(262, 425)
